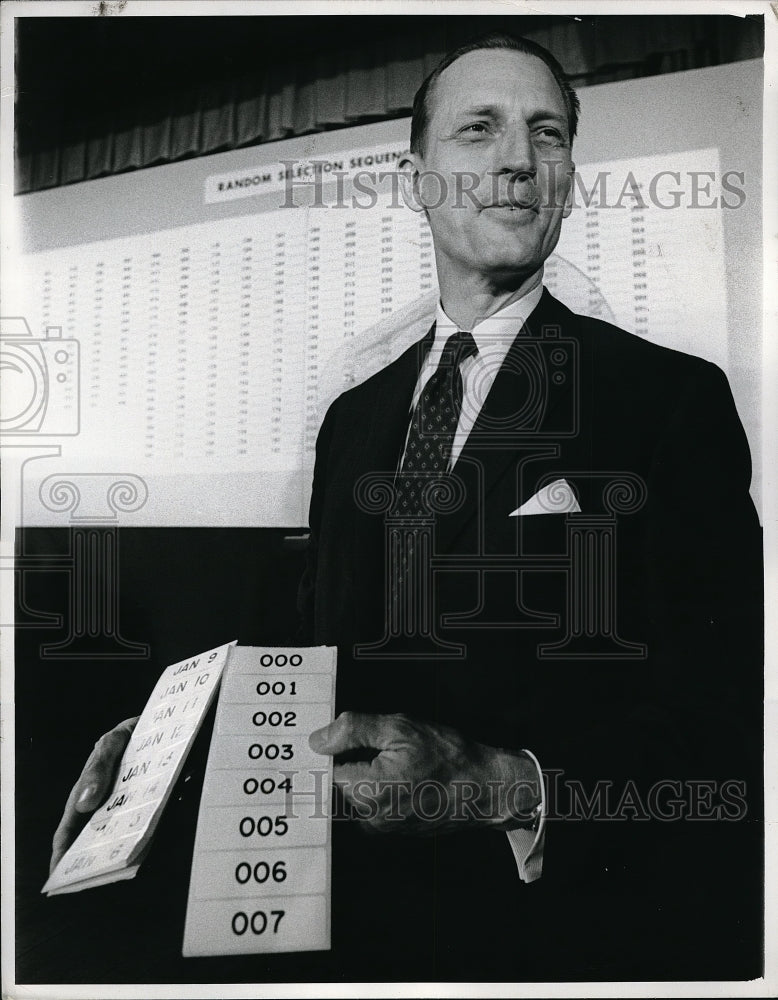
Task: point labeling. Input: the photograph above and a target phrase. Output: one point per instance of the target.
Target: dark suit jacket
(621, 645)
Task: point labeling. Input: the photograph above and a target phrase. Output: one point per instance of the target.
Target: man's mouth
(513, 207)
(526, 199)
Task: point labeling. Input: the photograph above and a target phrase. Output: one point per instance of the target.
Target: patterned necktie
(433, 426)
(426, 458)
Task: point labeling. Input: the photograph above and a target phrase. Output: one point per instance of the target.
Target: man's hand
(424, 778)
(92, 787)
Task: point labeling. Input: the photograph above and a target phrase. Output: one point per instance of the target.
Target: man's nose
(516, 154)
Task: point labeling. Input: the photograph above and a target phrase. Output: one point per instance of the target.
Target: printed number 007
(257, 922)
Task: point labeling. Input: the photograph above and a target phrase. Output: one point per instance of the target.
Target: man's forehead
(492, 77)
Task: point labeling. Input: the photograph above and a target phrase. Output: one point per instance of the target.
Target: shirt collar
(494, 334)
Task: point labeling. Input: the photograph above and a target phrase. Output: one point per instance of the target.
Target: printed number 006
(261, 871)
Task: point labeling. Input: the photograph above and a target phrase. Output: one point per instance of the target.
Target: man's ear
(409, 169)
(569, 194)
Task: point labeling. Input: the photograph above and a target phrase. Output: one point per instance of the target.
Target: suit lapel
(533, 405)
(378, 429)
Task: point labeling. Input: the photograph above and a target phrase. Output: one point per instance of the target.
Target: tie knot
(460, 345)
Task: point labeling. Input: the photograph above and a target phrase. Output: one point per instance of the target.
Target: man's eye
(550, 134)
(474, 129)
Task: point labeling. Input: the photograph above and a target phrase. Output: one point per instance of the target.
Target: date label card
(112, 844)
(261, 869)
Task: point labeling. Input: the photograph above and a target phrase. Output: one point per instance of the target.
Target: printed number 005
(264, 826)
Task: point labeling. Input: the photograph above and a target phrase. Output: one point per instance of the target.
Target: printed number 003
(271, 751)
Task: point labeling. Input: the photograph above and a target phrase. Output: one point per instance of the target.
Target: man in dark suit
(533, 545)
(612, 634)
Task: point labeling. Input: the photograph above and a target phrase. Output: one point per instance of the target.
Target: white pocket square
(556, 498)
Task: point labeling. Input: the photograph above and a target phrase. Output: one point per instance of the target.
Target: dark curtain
(369, 82)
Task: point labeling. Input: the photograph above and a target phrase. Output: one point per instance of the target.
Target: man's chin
(513, 265)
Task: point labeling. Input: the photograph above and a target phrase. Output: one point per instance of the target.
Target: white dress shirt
(493, 337)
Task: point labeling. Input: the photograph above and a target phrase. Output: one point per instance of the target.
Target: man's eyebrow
(492, 111)
(479, 110)
(546, 115)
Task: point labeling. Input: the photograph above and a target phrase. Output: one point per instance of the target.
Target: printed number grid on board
(210, 348)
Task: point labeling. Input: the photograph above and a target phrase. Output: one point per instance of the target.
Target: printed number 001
(277, 687)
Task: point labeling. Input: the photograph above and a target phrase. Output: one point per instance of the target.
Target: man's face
(498, 147)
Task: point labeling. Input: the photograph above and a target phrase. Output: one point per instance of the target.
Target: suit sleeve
(705, 579)
(685, 722)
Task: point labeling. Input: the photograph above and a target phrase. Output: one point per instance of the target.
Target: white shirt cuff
(527, 843)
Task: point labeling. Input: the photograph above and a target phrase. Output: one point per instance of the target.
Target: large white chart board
(211, 342)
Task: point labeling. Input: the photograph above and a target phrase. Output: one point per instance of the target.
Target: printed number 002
(274, 718)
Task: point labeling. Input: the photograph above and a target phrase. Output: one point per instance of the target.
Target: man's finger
(92, 786)
(352, 731)
(69, 827)
(347, 776)
(100, 769)
(362, 785)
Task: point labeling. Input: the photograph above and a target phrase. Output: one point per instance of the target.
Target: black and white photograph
(388, 498)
